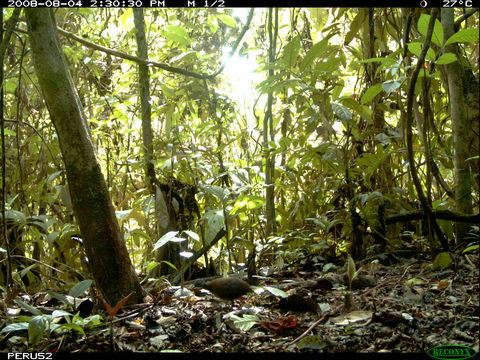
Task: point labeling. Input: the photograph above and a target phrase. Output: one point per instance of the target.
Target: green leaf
(9, 132)
(227, 20)
(313, 53)
(15, 327)
(246, 322)
(370, 94)
(471, 248)
(122, 215)
(192, 234)
(126, 20)
(315, 342)
(246, 203)
(151, 265)
(447, 58)
(351, 269)
(179, 30)
(390, 86)
(80, 288)
(442, 261)
(290, 52)
(214, 190)
(215, 221)
(27, 307)
(72, 326)
(464, 35)
(414, 281)
(169, 236)
(15, 215)
(58, 296)
(416, 48)
(10, 86)
(60, 313)
(354, 105)
(276, 292)
(355, 26)
(341, 112)
(36, 328)
(177, 34)
(437, 35)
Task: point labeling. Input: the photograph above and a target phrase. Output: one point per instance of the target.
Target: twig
(323, 318)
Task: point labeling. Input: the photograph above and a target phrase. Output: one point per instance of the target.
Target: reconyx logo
(448, 352)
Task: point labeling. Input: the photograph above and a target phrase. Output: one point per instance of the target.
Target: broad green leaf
(416, 48)
(10, 86)
(227, 20)
(246, 322)
(330, 65)
(216, 222)
(53, 176)
(176, 35)
(437, 35)
(464, 35)
(60, 313)
(169, 236)
(390, 86)
(27, 307)
(170, 264)
(58, 296)
(192, 234)
(341, 112)
(355, 26)
(471, 248)
(370, 94)
(290, 51)
(122, 215)
(73, 326)
(80, 288)
(351, 269)
(354, 105)
(126, 20)
(15, 327)
(247, 202)
(313, 53)
(414, 281)
(9, 132)
(151, 265)
(36, 329)
(315, 342)
(275, 291)
(447, 58)
(442, 261)
(179, 30)
(218, 191)
(15, 215)
(167, 92)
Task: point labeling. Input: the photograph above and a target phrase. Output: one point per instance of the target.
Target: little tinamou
(228, 288)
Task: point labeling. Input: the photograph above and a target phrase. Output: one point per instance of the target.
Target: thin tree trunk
(456, 84)
(268, 132)
(105, 247)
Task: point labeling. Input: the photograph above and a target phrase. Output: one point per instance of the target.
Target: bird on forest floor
(227, 288)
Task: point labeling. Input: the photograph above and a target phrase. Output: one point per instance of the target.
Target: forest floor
(404, 308)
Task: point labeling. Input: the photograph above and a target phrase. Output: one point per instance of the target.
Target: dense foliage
(339, 83)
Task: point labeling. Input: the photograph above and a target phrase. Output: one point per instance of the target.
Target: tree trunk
(461, 140)
(268, 132)
(105, 247)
